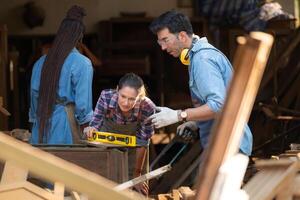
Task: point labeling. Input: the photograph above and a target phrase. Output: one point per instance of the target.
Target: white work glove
(164, 117)
(188, 130)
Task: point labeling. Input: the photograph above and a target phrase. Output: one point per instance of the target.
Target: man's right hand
(88, 131)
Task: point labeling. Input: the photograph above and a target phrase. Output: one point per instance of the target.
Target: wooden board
(273, 180)
(110, 163)
(54, 169)
(3, 74)
(249, 62)
(25, 191)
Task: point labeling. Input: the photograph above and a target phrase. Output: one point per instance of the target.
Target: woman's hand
(88, 131)
(142, 188)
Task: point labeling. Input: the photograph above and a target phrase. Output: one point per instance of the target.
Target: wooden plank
(25, 191)
(286, 192)
(261, 183)
(296, 186)
(164, 197)
(143, 178)
(14, 97)
(59, 190)
(187, 193)
(270, 182)
(3, 74)
(176, 195)
(55, 169)
(273, 163)
(118, 165)
(110, 162)
(13, 173)
(250, 61)
(75, 195)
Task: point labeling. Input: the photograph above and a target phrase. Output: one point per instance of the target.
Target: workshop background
(117, 33)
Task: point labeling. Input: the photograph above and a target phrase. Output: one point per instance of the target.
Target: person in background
(210, 73)
(61, 86)
(124, 110)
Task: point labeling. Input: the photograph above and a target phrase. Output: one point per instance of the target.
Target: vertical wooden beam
(59, 190)
(14, 88)
(3, 74)
(250, 60)
(75, 195)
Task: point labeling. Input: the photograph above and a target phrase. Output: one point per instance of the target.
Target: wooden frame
(250, 61)
(275, 179)
(54, 169)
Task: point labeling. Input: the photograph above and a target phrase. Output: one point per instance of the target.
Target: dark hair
(134, 81)
(172, 20)
(69, 33)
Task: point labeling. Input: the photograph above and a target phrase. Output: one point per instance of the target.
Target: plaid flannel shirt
(109, 100)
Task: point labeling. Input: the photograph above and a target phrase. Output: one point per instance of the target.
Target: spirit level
(114, 138)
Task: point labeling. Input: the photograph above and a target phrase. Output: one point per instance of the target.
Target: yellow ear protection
(184, 55)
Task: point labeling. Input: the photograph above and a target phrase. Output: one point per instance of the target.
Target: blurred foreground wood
(21, 158)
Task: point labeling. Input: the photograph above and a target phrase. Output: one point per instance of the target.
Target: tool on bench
(153, 173)
(143, 178)
(114, 138)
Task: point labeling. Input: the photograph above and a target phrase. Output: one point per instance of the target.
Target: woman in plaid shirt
(124, 110)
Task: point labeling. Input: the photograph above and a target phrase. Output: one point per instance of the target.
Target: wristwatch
(182, 115)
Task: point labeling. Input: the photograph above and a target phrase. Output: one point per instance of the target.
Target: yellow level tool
(114, 138)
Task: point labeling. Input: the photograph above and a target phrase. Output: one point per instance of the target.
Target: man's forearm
(200, 113)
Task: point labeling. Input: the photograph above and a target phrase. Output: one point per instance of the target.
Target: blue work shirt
(75, 86)
(210, 74)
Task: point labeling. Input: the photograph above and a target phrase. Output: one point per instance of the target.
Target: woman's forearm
(140, 160)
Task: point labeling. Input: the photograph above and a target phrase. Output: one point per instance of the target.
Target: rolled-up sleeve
(209, 81)
(146, 129)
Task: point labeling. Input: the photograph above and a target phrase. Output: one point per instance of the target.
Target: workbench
(109, 162)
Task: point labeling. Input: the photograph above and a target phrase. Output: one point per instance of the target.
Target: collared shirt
(75, 86)
(210, 74)
(143, 109)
